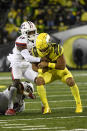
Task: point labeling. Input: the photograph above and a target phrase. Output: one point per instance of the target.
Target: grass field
(62, 104)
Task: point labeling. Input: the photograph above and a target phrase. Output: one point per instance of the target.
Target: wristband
(51, 65)
(39, 70)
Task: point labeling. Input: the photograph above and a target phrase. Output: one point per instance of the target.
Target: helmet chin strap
(31, 38)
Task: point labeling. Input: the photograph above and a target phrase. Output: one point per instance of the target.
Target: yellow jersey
(54, 51)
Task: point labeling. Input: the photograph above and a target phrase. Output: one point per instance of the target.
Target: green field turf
(62, 104)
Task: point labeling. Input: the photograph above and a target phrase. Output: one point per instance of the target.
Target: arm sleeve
(25, 53)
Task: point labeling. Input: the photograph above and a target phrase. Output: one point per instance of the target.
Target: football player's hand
(43, 64)
(44, 70)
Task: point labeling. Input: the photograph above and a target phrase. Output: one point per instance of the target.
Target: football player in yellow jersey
(52, 67)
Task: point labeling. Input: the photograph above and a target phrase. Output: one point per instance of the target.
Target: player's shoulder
(58, 48)
(56, 45)
(21, 38)
(21, 41)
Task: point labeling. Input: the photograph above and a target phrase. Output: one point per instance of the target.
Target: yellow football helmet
(42, 44)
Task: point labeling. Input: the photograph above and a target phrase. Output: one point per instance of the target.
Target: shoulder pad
(58, 49)
(21, 41)
(34, 50)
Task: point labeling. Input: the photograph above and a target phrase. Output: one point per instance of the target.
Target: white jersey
(18, 98)
(22, 41)
(20, 61)
(23, 56)
(17, 57)
(16, 102)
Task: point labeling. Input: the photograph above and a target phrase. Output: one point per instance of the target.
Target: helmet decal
(30, 23)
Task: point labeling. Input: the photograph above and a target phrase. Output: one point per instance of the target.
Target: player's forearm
(28, 57)
(59, 64)
(56, 66)
(37, 69)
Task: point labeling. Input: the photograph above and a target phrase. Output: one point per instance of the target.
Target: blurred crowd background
(48, 16)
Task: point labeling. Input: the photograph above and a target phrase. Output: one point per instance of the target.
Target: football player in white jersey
(17, 103)
(21, 60)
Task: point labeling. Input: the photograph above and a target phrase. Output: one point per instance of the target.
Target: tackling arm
(37, 69)
(25, 53)
(60, 63)
(28, 57)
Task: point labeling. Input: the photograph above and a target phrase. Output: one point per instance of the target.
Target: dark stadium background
(51, 16)
(65, 21)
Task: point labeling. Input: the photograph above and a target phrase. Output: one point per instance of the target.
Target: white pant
(26, 72)
(21, 68)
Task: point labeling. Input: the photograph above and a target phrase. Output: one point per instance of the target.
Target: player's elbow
(63, 65)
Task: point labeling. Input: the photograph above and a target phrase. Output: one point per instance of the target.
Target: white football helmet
(28, 86)
(28, 28)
